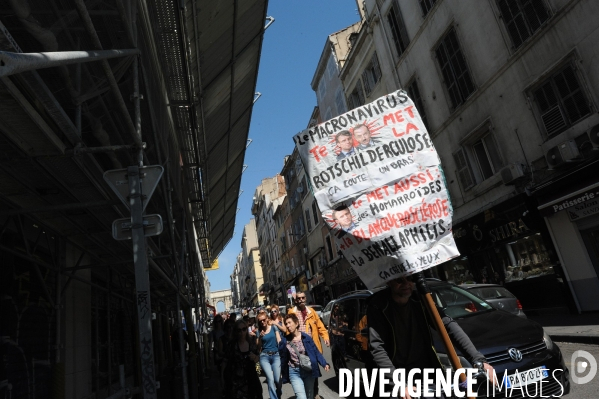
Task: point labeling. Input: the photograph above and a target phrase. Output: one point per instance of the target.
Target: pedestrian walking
(338, 323)
(295, 348)
(310, 323)
(222, 343)
(239, 376)
(270, 361)
(399, 332)
(215, 334)
(277, 320)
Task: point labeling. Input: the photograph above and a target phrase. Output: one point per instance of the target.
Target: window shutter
(553, 120)
(360, 93)
(376, 68)
(308, 220)
(561, 101)
(464, 172)
(366, 81)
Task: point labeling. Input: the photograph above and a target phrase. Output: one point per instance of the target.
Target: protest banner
(377, 180)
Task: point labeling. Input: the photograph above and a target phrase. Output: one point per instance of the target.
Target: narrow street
(329, 386)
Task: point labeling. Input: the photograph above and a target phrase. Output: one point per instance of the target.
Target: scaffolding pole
(142, 285)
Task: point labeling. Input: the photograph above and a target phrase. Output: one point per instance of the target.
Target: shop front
(342, 278)
(571, 212)
(317, 288)
(510, 245)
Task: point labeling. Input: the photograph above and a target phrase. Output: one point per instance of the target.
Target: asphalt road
(329, 386)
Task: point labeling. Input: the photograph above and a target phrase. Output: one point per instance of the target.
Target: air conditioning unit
(562, 153)
(594, 136)
(511, 173)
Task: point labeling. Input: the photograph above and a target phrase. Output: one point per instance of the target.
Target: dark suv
(508, 342)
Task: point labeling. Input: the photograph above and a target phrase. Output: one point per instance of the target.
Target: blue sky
(290, 52)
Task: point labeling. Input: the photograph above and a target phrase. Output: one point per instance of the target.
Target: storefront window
(458, 271)
(528, 258)
(524, 258)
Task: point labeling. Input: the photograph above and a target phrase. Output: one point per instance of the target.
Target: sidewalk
(210, 387)
(579, 328)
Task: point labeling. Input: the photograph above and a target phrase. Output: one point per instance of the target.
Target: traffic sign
(118, 180)
(123, 230)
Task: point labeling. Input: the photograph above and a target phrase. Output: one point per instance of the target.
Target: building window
(426, 5)
(339, 101)
(455, 72)
(463, 169)
(329, 247)
(331, 66)
(308, 220)
(487, 157)
(561, 101)
(315, 212)
(414, 94)
(398, 28)
(522, 18)
(356, 98)
(322, 88)
(371, 75)
(483, 154)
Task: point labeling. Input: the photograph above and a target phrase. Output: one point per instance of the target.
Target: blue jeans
(271, 366)
(302, 382)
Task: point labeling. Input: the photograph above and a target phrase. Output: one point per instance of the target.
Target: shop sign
(585, 209)
(574, 202)
(511, 229)
(500, 233)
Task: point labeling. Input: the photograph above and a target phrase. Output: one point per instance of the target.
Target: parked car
(497, 296)
(326, 312)
(317, 309)
(508, 342)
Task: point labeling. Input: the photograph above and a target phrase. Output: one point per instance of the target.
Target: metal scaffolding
(73, 107)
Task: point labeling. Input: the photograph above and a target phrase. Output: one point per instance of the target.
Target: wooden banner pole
(425, 293)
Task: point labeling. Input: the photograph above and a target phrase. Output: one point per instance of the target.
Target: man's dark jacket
(382, 335)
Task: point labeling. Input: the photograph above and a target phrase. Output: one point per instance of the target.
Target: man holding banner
(397, 323)
(394, 186)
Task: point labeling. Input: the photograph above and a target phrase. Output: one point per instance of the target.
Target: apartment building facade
(508, 94)
(267, 197)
